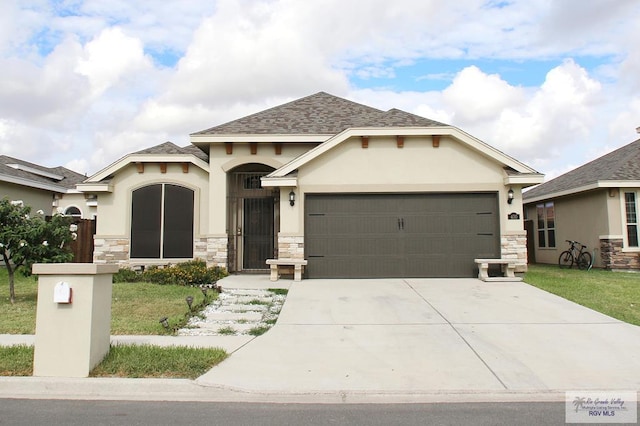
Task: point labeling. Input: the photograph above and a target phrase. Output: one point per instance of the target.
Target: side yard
(616, 294)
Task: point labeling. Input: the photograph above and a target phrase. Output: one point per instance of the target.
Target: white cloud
(110, 58)
(92, 83)
(249, 52)
(475, 96)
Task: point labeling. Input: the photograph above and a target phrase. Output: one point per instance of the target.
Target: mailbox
(62, 293)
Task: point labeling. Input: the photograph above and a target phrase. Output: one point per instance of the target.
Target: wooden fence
(82, 247)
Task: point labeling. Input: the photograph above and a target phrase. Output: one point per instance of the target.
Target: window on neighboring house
(546, 225)
(162, 222)
(73, 212)
(632, 218)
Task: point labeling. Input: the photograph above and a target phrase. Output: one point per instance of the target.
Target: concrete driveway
(433, 335)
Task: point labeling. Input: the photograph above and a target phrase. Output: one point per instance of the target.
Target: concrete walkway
(391, 340)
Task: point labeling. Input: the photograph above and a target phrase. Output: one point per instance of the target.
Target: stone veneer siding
(514, 246)
(116, 250)
(212, 249)
(111, 250)
(290, 247)
(614, 258)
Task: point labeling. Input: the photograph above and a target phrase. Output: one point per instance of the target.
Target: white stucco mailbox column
(72, 333)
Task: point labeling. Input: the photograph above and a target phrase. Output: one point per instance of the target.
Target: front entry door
(257, 232)
(252, 220)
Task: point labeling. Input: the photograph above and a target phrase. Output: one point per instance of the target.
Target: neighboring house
(356, 191)
(595, 204)
(50, 189)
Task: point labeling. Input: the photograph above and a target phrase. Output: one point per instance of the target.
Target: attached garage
(399, 235)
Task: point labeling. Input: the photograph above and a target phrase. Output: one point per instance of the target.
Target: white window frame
(625, 224)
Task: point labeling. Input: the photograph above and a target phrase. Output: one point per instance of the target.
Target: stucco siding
(79, 201)
(37, 199)
(221, 163)
(416, 167)
(580, 218)
(117, 205)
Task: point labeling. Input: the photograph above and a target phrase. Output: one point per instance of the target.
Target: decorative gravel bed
(237, 312)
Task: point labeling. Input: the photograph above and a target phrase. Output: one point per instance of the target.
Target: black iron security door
(258, 232)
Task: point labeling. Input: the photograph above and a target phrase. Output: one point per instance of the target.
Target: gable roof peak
(317, 114)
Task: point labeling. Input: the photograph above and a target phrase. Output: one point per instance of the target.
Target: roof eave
(147, 158)
(95, 187)
(454, 132)
(34, 184)
(286, 181)
(203, 140)
(524, 180)
(584, 188)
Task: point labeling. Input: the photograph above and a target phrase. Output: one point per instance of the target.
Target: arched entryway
(252, 218)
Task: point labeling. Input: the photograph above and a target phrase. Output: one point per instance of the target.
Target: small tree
(25, 240)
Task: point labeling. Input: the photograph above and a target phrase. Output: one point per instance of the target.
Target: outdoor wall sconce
(510, 196)
(292, 198)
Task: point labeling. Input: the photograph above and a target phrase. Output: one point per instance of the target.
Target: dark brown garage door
(399, 235)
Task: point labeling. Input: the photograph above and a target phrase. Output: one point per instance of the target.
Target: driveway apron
(433, 335)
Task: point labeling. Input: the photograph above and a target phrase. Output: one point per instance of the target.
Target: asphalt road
(96, 413)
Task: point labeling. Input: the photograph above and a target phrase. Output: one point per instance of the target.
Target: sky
(554, 84)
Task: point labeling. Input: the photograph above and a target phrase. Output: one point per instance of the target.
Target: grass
(131, 361)
(19, 318)
(616, 294)
(16, 360)
(134, 361)
(136, 308)
(227, 331)
(259, 330)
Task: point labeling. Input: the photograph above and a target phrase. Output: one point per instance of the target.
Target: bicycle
(576, 255)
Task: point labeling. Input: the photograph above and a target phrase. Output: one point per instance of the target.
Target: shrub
(158, 275)
(127, 275)
(193, 272)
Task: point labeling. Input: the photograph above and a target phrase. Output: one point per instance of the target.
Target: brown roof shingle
(169, 148)
(619, 165)
(320, 113)
(68, 181)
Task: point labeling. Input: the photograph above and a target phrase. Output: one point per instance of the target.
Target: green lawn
(130, 361)
(136, 308)
(136, 361)
(616, 294)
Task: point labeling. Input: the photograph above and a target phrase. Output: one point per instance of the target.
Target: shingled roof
(169, 148)
(318, 114)
(622, 164)
(29, 172)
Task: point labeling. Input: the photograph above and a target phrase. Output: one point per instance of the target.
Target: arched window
(73, 212)
(162, 222)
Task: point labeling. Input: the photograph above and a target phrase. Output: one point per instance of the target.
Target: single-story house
(50, 189)
(356, 191)
(595, 204)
